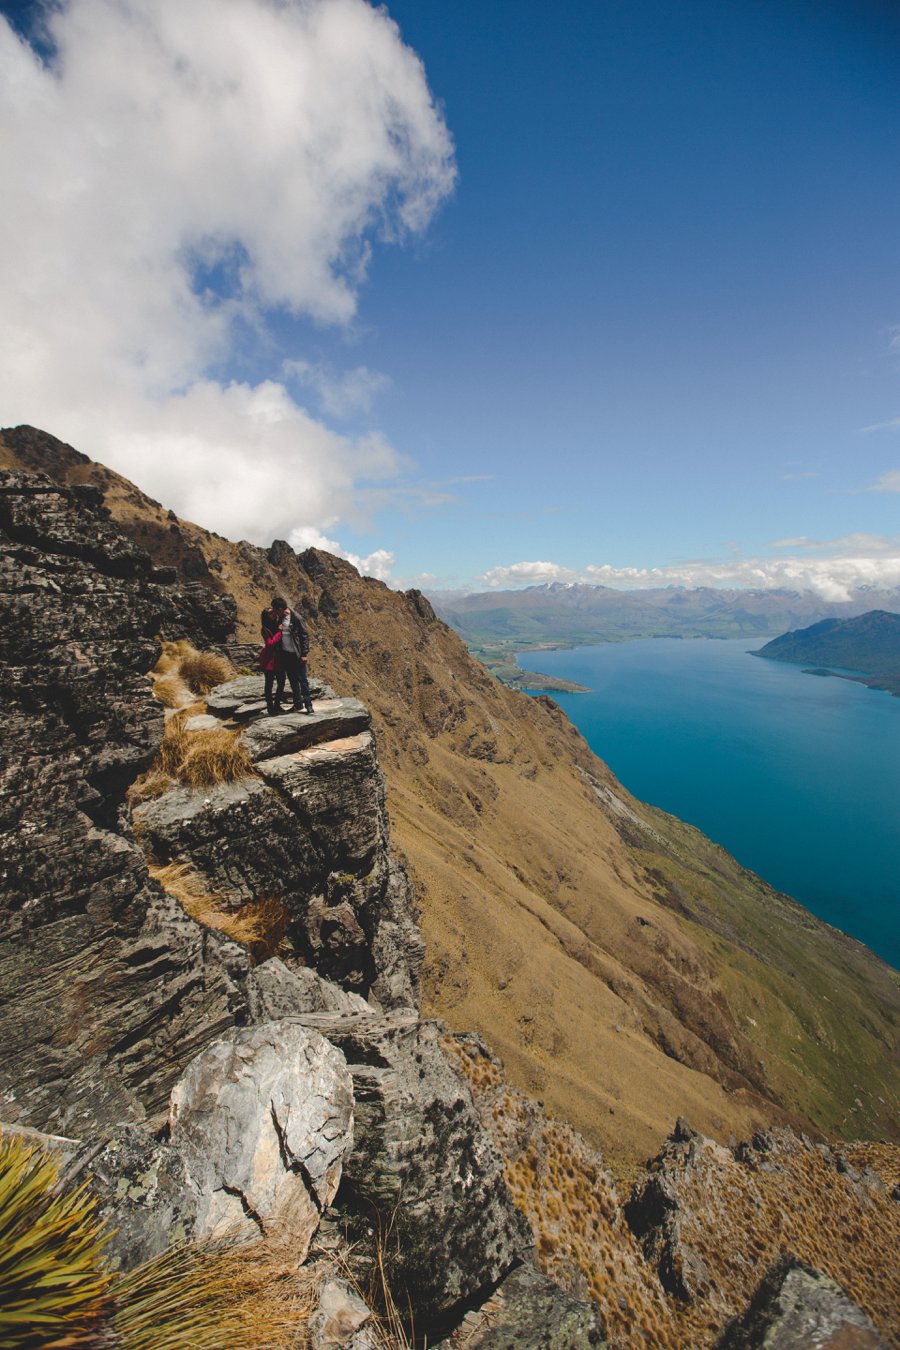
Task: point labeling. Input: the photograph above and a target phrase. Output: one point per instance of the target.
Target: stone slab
(249, 690)
(332, 719)
(202, 722)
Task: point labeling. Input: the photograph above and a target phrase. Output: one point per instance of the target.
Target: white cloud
(892, 424)
(261, 142)
(378, 564)
(852, 562)
(888, 482)
(341, 395)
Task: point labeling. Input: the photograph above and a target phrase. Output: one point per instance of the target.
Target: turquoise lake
(796, 775)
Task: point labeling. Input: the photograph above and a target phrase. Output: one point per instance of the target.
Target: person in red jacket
(270, 656)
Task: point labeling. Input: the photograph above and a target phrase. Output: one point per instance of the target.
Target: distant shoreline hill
(495, 625)
(865, 648)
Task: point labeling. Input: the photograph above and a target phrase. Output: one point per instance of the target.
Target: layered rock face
(107, 988)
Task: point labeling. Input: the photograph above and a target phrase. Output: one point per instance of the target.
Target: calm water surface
(794, 774)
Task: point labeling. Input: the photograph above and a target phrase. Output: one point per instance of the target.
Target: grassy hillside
(626, 969)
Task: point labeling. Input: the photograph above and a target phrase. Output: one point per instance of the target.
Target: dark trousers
(295, 670)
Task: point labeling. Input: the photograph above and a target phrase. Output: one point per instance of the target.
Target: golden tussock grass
(56, 1287)
(201, 671)
(211, 757)
(180, 663)
(201, 758)
(258, 925)
(244, 1295)
(171, 691)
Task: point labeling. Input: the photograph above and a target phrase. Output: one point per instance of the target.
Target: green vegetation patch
(820, 1009)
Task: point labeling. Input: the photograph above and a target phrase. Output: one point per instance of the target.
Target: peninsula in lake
(865, 648)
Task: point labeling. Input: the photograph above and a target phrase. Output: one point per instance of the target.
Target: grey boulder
(798, 1308)
(263, 1119)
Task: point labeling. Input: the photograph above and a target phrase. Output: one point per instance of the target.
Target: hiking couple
(285, 654)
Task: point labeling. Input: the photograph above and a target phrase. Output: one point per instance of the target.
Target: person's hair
(279, 602)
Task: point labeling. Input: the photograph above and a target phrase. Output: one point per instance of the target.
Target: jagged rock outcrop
(308, 828)
(796, 1308)
(112, 996)
(421, 1165)
(711, 1218)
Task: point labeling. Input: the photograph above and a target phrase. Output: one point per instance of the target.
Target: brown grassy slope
(626, 969)
(738, 1213)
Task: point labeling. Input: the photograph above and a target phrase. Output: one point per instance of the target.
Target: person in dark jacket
(294, 657)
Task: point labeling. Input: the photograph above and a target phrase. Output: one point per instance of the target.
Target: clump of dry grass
(211, 757)
(202, 671)
(258, 925)
(207, 1296)
(196, 758)
(171, 691)
(183, 671)
(200, 758)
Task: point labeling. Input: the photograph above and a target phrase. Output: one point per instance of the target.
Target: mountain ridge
(558, 912)
(497, 624)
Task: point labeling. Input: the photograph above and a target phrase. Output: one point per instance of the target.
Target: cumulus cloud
(174, 177)
(845, 565)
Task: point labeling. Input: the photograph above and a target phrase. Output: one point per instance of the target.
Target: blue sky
(622, 305)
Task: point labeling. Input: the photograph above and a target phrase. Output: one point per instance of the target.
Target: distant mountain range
(869, 644)
(497, 624)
